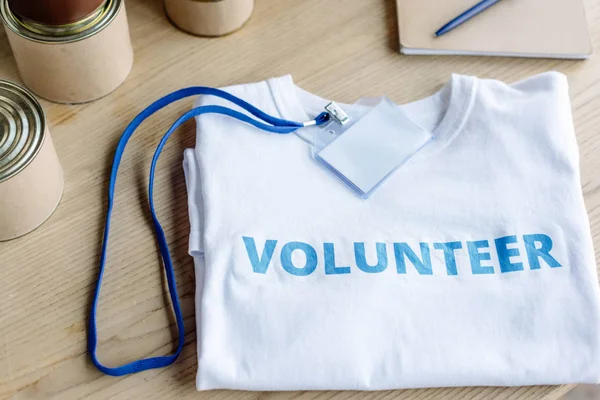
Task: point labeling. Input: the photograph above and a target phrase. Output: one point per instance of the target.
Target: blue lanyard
(264, 121)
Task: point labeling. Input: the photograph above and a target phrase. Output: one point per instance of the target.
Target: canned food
(209, 17)
(31, 178)
(76, 62)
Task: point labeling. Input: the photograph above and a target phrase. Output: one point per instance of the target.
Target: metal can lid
(55, 12)
(22, 129)
(60, 34)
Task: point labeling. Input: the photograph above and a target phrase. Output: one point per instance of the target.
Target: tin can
(209, 17)
(31, 178)
(73, 63)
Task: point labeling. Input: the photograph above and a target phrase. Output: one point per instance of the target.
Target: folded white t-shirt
(472, 264)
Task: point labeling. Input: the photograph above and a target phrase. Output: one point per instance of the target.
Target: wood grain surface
(338, 49)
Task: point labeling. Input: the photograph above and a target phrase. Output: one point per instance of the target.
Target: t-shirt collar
(453, 103)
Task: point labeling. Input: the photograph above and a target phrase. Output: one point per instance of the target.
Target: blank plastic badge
(373, 148)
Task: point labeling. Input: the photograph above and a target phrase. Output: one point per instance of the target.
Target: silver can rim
(10, 20)
(38, 111)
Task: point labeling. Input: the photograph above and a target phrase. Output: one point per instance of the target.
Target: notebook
(517, 28)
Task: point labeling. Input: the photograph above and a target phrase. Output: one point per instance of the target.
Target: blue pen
(467, 15)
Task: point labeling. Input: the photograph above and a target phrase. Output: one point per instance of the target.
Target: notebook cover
(529, 28)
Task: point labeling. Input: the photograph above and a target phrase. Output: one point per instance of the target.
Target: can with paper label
(75, 62)
(31, 177)
(209, 17)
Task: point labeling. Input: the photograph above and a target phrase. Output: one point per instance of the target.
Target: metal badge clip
(337, 113)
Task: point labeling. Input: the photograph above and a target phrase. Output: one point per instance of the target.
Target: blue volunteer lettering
(479, 254)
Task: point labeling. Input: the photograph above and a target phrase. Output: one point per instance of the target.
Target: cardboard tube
(209, 18)
(29, 198)
(54, 12)
(79, 71)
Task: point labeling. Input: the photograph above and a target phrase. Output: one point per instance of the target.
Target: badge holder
(366, 142)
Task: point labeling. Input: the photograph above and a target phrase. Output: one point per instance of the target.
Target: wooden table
(341, 50)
